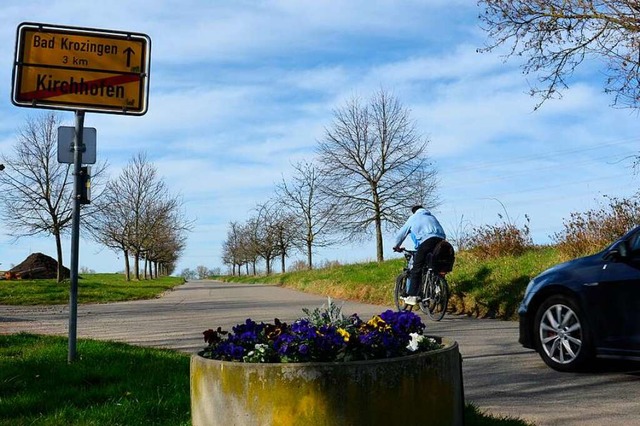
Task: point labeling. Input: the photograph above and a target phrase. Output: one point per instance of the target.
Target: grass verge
(92, 288)
(111, 384)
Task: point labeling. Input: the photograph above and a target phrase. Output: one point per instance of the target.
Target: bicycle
(433, 294)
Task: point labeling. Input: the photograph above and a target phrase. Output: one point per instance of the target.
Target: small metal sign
(66, 134)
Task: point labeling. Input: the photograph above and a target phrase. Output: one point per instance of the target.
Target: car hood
(582, 269)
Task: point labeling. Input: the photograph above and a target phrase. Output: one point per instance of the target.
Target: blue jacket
(421, 225)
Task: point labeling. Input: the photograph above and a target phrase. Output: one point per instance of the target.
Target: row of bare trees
(272, 232)
(370, 167)
(138, 217)
(134, 213)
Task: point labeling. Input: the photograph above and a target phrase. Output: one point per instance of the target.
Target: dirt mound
(37, 266)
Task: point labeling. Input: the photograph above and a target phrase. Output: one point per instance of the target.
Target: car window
(634, 243)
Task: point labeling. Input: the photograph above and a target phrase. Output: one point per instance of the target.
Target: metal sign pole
(78, 147)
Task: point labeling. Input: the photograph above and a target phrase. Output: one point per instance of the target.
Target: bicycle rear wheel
(436, 296)
(399, 293)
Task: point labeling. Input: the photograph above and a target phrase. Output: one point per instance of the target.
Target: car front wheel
(561, 334)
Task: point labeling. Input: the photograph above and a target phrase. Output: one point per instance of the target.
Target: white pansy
(415, 341)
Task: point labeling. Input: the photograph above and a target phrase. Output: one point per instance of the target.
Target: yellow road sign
(81, 68)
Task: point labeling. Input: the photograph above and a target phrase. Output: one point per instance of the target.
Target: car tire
(562, 335)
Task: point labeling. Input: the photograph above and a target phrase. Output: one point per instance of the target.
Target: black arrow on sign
(129, 51)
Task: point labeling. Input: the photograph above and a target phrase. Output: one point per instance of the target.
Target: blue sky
(241, 90)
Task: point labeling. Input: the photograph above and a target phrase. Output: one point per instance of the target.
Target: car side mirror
(619, 251)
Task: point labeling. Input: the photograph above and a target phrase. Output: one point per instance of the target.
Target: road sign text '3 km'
(80, 68)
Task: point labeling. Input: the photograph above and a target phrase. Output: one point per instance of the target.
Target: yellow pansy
(344, 333)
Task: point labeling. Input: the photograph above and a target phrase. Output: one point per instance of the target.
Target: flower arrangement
(323, 335)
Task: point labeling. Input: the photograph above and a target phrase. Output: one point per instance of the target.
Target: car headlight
(528, 293)
(529, 287)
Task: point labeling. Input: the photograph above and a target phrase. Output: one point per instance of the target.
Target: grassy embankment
(482, 288)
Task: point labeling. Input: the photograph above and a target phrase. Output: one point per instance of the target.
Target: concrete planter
(420, 389)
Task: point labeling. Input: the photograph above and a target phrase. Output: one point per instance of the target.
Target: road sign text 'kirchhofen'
(46, 83)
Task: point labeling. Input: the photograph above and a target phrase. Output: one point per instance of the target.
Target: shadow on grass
(490, 301)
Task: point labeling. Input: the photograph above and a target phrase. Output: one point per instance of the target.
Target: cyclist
(426, 232)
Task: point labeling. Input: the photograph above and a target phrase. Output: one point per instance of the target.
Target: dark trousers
(420, 259)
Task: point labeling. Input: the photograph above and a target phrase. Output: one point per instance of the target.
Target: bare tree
(138, 216)
(37, 191)
(313, 209)
(227, 256)
(556, 36)
(249, 245)
(232, 247)
(145, 191)
(264, 234)
(167, 240)
(202, 272)
(375, 166)
(166, 233)
(284, 228)
(188, 274)
(113, 226)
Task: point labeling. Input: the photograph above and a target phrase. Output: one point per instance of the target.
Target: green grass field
(92, 288)
(111, 384)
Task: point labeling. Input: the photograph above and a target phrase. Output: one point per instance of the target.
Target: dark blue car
(586, 307)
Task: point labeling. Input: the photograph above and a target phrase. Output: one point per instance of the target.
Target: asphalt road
(499, 375)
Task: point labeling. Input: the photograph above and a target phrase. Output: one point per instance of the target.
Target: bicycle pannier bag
(443, 257)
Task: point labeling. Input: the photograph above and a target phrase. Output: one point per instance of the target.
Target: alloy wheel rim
(561, 334)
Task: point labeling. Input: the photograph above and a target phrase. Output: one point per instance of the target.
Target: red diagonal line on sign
(109, 81)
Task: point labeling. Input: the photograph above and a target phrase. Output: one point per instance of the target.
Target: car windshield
(633, 237)
(634, 242)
